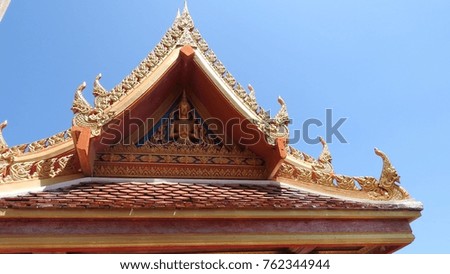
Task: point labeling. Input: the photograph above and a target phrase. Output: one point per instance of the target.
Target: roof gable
(182, 61)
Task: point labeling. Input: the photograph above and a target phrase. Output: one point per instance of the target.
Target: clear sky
(384, 65)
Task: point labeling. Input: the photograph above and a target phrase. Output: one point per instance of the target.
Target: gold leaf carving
(389, 178)
(186, 39)
(162, 171)
(202, 45)
(84, 114)
(196, 35)
(373, 188)
(231, 81)
(345, 182)
(220, 68)
(102, 99)
(43, 169)
(168, 41)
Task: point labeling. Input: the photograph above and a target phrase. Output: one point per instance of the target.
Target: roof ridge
(181, 33)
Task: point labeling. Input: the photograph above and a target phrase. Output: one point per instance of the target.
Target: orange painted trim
(187, 52)
(82, 141)
(279, 154)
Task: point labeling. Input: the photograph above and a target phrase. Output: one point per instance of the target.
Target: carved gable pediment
(180, 145)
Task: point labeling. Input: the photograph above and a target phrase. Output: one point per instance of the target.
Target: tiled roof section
(184, 196)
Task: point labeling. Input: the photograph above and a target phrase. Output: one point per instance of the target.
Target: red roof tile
(184, 195)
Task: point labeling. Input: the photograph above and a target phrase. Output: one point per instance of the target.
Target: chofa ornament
(92, 117)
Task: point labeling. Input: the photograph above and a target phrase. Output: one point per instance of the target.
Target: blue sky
(384, 65)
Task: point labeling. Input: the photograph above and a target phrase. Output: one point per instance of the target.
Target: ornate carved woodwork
(385, 188)
(11, 171)
(181, 145)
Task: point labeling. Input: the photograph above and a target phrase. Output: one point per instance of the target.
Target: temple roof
(187, 195)
(182, 69)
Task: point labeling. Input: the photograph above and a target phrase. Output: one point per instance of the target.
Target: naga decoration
(250, 99)
(92, 117)
(276, 127)
(324, 161)
(389, 178)
(102, 99)
(385, 188)
(3, 145)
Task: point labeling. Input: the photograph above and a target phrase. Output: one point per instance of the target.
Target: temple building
(180, 158)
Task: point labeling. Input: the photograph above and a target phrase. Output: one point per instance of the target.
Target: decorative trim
(33, 147)
(323, 163)
(174, 171)
(11, 171)
(179, 160)
(386, 188)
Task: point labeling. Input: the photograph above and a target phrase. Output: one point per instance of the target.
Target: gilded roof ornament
(183, 32)
(185, 9)
(185, 21)
(3, 144)
(102, 98)
(41, 169)
(250, 100)
(282, 117)
(276, 127)
(389, 178)
(186, 39)
(325, 155)
(80, 104)
(87, 116)
(321, 173)
(325, 158)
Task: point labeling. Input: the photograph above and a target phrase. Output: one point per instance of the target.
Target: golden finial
(185, 9)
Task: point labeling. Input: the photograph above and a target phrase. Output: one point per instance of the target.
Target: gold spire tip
(185, 9)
